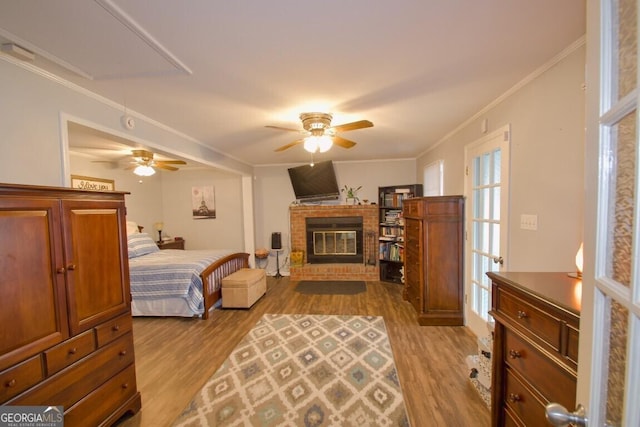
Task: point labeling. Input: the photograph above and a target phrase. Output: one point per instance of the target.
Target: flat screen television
(315, 183)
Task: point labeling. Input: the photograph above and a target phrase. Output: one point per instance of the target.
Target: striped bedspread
(172, 273)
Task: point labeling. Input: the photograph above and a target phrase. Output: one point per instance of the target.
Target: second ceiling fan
(320, 135)
(143, 163)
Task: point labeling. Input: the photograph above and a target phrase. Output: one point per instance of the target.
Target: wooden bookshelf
(391, 229)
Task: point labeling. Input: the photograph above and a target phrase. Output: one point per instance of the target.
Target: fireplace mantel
(298, 214)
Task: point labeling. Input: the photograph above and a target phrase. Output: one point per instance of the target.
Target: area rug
(331, 287)
(304, 370)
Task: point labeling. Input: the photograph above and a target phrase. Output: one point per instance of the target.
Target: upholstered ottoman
(243, 288)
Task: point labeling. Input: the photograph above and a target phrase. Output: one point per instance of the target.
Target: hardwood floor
(175, 356)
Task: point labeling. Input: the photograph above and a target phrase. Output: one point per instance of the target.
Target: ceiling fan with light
(144, 163)
(320, 135)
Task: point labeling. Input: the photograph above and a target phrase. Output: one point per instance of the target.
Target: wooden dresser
(535, 350)
(434, 229)
(171, 244)
(65, 303)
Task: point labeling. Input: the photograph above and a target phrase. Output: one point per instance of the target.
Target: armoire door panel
(30, 263)
(96, 283)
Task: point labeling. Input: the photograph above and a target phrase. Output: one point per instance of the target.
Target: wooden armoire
(65, 306)
(433, 258)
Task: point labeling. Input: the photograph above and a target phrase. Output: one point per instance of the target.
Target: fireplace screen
(334, 243)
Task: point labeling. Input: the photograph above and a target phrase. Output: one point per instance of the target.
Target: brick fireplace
(366, 270)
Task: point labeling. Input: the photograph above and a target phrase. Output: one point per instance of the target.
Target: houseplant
(351, 194)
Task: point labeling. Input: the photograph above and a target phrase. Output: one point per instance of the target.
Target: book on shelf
(391, 251)
(392, 216)
(394, 200)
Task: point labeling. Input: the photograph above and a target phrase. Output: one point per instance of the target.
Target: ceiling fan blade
(171, 162)
(360, 124)
(281, 128)
(166, 167)
(342, 142)
(289, 145)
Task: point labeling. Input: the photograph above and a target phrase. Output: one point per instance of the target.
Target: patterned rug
(304, 370)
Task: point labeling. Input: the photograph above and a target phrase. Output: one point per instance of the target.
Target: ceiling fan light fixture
(144, 170)
(313, 144)
(325, 143)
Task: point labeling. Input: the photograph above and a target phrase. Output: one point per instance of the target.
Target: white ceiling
(219, 71)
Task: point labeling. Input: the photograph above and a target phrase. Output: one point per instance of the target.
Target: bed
(173, 282)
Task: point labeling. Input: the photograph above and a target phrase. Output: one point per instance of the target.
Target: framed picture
(203, 203)
(93, 184)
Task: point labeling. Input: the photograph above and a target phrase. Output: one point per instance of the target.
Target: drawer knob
(10, 383)
(514, 354)
(73, 350)
(60, 270)
(115, 328)
(522, 314)
(513, 398)
(123, 352)
(125, 386)
(71, 267)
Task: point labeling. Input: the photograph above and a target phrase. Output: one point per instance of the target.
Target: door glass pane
(486, 168)
(476, 172)
(495, 239)
(621, 200)
(627, 49)
(485, 238)
(496, 203)
(477, 206)
(496, 167)
(618, 317)
(485, 203)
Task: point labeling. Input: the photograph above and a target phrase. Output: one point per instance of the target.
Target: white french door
(487, 197)
(609, 356)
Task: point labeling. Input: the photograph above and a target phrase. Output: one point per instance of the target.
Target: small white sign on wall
(93, 184)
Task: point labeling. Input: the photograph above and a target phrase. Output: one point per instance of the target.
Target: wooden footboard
(212, 277)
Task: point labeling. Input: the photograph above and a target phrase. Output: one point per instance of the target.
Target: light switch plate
(529, 222)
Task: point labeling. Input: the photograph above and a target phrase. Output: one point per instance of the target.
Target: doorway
(487, 194)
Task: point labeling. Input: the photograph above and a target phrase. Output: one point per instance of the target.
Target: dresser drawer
(510, 419)
(541, 325)
(70, 351)
(112, 329)
(523, 402)
(412, 208)
(70, 385)
(103, 401)
(550, 378)
(20, 377)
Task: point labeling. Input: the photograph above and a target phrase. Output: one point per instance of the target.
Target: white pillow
(132, 228)
(141, 244)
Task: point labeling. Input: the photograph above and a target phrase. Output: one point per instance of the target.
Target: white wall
(273, 194)
(225, 231)
(33, 110)
(547, 156)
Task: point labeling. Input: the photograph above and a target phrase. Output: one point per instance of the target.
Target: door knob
(498, 260)
(559, 416)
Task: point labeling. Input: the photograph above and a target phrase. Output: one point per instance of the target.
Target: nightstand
(171, 244)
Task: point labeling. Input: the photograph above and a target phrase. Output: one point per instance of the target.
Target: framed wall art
(203, 202)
